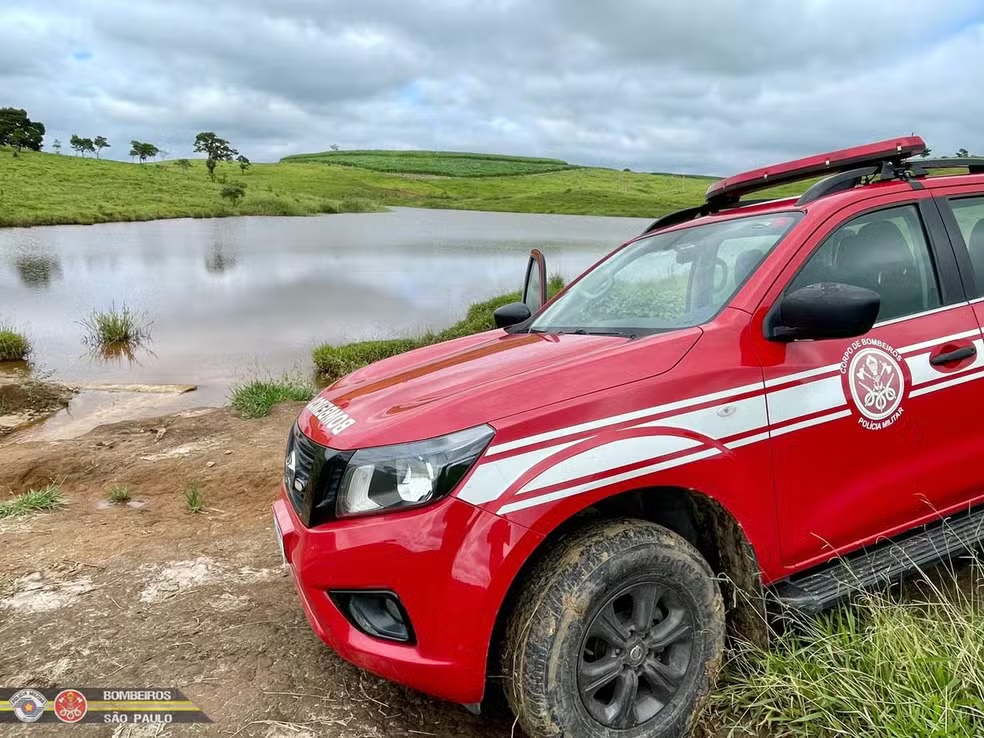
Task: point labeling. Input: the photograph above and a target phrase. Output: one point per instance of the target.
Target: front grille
(313, 484)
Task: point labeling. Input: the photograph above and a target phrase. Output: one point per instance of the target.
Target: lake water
(233, 297)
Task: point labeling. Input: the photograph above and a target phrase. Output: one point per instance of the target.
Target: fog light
(377, 613)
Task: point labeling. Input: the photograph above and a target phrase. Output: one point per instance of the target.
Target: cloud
(714, 87)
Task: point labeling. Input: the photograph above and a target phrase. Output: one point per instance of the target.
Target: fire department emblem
(70, 706)
(874, 382)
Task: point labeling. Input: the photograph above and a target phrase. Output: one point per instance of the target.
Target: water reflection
(230, 293)
(37, 272)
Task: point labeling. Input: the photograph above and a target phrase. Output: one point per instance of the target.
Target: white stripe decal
(939, 341)
(810, 423)
(959, 379)
(745, 421)
(610, 456)
(491, 478)
(805, 399)
(588, 486)
(634, 415)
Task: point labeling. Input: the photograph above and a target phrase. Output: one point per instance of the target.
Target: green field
(42, 188)
(437, 163)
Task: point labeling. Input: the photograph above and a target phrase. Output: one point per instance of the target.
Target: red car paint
(769, 430)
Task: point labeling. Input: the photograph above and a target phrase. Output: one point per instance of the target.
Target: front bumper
(451, 565)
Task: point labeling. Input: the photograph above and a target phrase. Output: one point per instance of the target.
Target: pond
(231, 298)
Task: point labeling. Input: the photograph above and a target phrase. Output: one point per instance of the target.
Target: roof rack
(893, 150)
(849, 167)
(922, 167)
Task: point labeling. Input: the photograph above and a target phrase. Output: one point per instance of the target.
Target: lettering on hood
(330, 416)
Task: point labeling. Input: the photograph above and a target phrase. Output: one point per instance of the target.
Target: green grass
(43, 189)
(118, 494)
(437, 163)
(35, 500)
(891, 667)
(194, 498)
(47, 189)
(115, 327)
(254, 398)
(333, 362)
(14, 346)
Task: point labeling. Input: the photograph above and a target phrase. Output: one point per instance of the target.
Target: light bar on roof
(893, 149)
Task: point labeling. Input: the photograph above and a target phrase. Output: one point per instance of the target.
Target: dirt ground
(150, 595)
(25, 402)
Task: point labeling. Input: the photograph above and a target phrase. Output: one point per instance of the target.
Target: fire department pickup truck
(752, 402)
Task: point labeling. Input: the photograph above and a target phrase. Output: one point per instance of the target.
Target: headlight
(408, 474)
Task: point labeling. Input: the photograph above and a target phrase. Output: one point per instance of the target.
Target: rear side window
(969, 213)
(885, 251)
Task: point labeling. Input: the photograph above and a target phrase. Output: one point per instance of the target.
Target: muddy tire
(619, 632)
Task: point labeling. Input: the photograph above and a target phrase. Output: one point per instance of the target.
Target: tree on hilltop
(100, 143)
(16, 127)
(143, 151)
(244, 163)
(215, 149)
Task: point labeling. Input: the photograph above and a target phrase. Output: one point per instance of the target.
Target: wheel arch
(700, 519)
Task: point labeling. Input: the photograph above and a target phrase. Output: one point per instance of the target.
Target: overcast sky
(702, 86)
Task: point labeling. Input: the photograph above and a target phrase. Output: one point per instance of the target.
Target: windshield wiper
(592, 332)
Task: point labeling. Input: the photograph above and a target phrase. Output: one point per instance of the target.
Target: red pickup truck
(753, 402)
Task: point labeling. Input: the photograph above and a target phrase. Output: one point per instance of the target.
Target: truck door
(866, 432)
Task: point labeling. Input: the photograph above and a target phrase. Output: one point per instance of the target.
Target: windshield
(668, 281)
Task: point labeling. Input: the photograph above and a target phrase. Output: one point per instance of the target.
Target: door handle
(951, 356)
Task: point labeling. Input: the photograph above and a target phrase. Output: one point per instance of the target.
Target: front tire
(618, 632)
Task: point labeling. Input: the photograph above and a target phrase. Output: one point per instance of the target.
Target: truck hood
(479, 379)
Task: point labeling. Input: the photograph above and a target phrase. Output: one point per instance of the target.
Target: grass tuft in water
(119, 494)
(48, 497)
(194, 498)
(116, 327)
(14, 346)
(255, 398)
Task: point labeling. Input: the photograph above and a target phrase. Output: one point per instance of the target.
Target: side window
(969, 213)
(885, 251)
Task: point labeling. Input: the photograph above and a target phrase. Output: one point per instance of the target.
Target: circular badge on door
(875, 382)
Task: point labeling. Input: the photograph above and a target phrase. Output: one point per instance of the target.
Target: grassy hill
(438, 163)
(42, 188)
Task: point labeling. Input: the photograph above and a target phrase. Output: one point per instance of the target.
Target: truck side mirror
(822, 311)
(511, 314)
(535, 285)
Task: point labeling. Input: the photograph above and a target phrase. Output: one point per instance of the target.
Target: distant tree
(15, 119)
(234, 192)
(57, 146)
(100, 143)
(215, 149)
(184, 164)
(962, 153)
(926, 153)
(88, 145)
(244, 163)
(334, 147)
(143, 151)
(78, 144)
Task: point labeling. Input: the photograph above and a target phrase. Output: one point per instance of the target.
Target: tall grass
(48, 497)
(333, 362)
(14, 346)
(115, 327)
(887, 666)
(255, 398)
